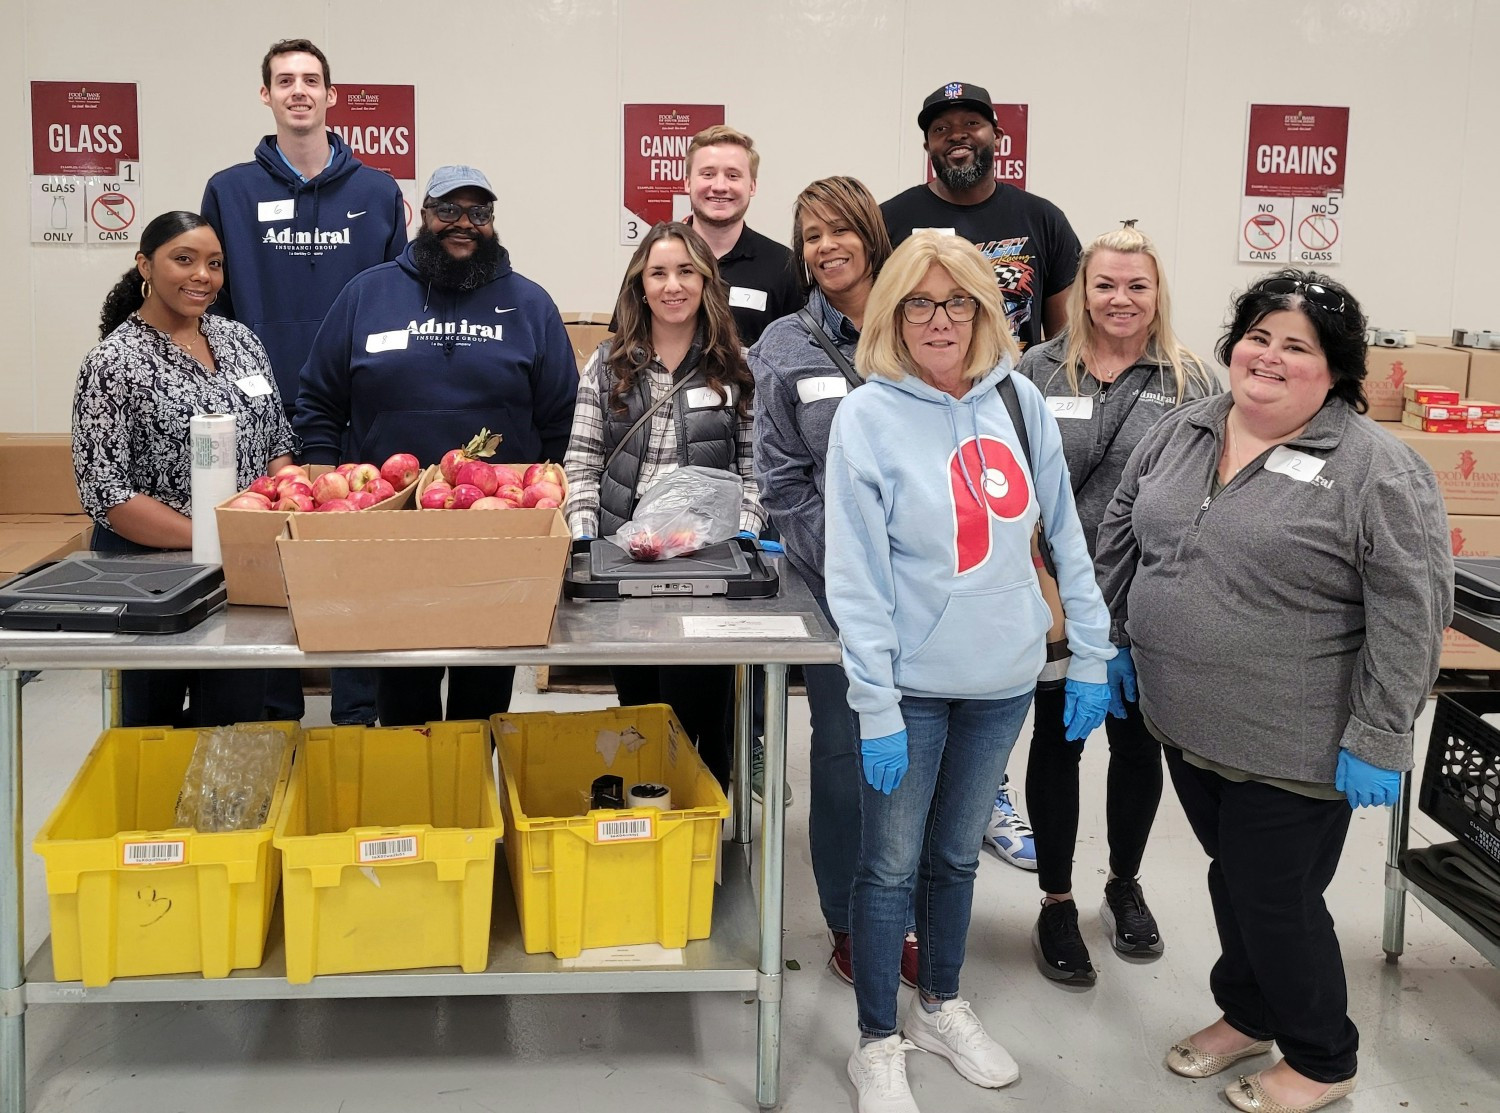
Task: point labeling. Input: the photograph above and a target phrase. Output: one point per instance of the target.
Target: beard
(447, 273)
(961, 178)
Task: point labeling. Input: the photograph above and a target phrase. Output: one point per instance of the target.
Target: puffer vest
(707, 432)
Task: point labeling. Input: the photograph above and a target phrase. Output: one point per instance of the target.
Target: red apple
(511, 492)
(361, 500)
(507, 476)
(464, 496)
(362, 475)
(547, 472)
(288, 471)
(250, 500)
(543, 489)
(264, 485)
(644, 546)
(436, 497)
(293, 483)
(335, 505)
(477, 473)
(401, 470)
(546, 504)
(346, 468)
(381, 489)
(294, 500)
(490, 502)
(684, 540)
(328, 487)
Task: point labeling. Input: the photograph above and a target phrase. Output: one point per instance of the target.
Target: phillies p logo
(1004, 493)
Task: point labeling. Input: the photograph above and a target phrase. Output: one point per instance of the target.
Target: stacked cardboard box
(40, 517)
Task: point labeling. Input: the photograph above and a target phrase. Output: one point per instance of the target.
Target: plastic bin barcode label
(386, 850)
(621, 830)
(155, 853)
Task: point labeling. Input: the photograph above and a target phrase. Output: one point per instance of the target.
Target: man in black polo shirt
(722, 165)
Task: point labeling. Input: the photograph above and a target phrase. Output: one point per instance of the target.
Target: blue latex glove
(1366, 785)
(585, 537)
(761, 544)
(1121, 681)
(885, 760)
(1084, 706)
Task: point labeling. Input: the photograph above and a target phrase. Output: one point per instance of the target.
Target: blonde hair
(722, 133)
(882, 347)
(1162, 345)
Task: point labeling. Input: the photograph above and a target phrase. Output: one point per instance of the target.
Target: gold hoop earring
(145, 289)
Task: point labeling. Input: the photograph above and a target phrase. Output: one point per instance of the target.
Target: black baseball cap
(956, 93)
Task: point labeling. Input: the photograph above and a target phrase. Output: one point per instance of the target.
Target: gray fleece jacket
(1298, 611)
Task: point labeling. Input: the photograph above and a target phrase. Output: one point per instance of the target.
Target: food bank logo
(985, 467)
(1398, 374)
(1299, 121)
(673, 119)
(1456, 538)
(363, 99)
(1467, 464)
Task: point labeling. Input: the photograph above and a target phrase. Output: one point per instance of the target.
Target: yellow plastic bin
(388, 849)
(605, 878)
(130, 894)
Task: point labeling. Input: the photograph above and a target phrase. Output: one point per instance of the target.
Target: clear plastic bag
(687, 510)
(231, 778)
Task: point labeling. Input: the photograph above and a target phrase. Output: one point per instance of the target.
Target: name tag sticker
(276, 210)
(393, 341)
(1299, 465)
(1070, 406)
(706, 397)
(742, 297)
(939, 231)
(254, 386)
(820, 387)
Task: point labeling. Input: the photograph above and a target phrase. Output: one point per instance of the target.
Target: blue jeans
(927, 834)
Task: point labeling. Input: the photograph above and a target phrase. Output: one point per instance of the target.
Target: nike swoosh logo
(350, 216)
(510, 310)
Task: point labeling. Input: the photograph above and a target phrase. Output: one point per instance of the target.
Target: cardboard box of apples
(251, 521)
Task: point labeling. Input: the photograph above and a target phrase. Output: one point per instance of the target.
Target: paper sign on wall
(379, 123)
(1291, 211)
(653, 162)
(1010, 148)
(85, 163)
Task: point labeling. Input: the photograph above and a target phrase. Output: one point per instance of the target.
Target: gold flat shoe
(1191, 1061)
(1249, 1095)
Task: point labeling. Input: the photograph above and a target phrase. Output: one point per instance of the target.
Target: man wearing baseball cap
(1027, 239)
(418, 355)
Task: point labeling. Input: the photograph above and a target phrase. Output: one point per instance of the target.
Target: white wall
(1137, 110)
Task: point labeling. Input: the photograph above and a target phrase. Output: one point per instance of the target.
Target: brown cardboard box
(1390, 369)
(1462, 652)
(459, 580)
(27, 539)
(36, 474)
(247, 541)
(1467, 466)
(1473, 536)
(1484, 370)
(587, 331)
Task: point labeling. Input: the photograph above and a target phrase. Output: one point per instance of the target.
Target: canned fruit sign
(1291, 210)
(85, 163)
(653, 164)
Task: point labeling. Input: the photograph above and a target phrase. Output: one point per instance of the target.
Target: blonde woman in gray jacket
(1279, 569)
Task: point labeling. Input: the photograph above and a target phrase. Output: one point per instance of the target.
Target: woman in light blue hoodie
(931, 507)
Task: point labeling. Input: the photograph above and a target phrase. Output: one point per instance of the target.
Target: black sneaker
(1131, 927)
(1060, 950)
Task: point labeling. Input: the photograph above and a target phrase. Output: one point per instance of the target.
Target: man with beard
(417, 356)
(1027, 239)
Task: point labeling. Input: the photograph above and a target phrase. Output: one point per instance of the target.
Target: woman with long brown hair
(675, 362)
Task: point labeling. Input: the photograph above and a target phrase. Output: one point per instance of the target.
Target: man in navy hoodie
(297, 223)
(417, 356)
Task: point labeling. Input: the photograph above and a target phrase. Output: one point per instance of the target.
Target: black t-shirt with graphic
(1026, 238)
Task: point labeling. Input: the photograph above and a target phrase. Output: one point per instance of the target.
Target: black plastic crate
(1461, 780)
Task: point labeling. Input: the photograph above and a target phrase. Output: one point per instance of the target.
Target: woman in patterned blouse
(161, 360)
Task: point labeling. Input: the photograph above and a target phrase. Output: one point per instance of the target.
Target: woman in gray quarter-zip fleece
(1279, 568)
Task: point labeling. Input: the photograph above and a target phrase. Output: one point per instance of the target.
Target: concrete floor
(1429, 1026)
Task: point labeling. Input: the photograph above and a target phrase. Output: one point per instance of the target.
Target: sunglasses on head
(1321, 296)
(449, 212)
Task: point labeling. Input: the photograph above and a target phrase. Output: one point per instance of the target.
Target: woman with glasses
(1279, 569)
(1109, 376)
(669, 390)
(931, 507)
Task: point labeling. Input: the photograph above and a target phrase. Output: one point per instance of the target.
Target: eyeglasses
(1321, 296)
(448, 212)
(918, 311)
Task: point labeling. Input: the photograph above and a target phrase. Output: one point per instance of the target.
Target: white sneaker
(878, 1071)
(954, 1032)
(1007, 834)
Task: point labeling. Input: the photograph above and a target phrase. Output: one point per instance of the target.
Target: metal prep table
(737, 957)
(1397, 885)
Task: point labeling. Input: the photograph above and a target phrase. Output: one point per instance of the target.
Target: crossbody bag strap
(1012, 402)
(1134, 398)
(839, 360)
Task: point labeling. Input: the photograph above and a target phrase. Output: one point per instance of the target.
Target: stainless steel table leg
(112, 693)
(744, 731)
(772, 861)
(12, 902)
(1394, 937)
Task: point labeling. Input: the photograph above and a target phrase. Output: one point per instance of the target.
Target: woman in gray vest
(675, 362)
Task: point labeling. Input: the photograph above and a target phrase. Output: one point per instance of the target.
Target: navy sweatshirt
(290, 246)
(404, 366)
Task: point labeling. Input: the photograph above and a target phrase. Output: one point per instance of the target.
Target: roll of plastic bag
(214, 479)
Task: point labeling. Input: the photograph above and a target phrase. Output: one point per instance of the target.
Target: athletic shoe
(841, 962)
(954, 1032)
(1131, 927)
(758, 776)
(878, 1071)
(909, 960)
(1008, 835)
(1059, 947)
